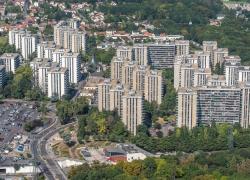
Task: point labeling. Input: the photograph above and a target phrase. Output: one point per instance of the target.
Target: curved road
(48, 164)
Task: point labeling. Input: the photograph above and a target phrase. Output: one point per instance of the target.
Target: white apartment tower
(125, 52)
(78, 42)
(57, 55)
(69, 38)
(244, 74)
(181, 47)
(203, 59)
(232, 59)
(11, 61)
(219, 56)
(139, 78)
(12, 36)
(116, 68)
(58, 82)
(132, 111)
(29, 44)
(210, 47)
(141, 54)
(216, 80)
(43, 75)
(201, 77)
(127, 73)
(245, 105)
(35, 64)
(104, 95)
(72, 62)
(187, 108)
(231, 73)
(116, 93)
(45, 49)
(153, 89)
(41, 49)
(177, 71)
(187, 75)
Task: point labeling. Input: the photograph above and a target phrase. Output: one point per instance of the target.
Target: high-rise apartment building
(116, 68)
(216, 80)
(231, 73)
(35, 64)
(127, 73)
(210, 47)
(12, 36)
(205, 105)
(72, 62)
(140, 54)
(104, 95)
(187, 108)
(181, 47)
(244, 74)
(43, 69)
(232, 59)
(15, 37)
(2, 76)
(203, 59)
(40, 49)
(11, 61)
(116, 93)
(45, 49)
(58, 82)
(177, 71)
(125, 52)
(59, 33)
(201, 76)
(245, 105)
(132, 110)
(218, 104)
(139, 74)
(78, 41)
(161, 55)
(187, 75)
(29, 45)
(153, 88)
(57, 55)
(69, 38)
(191, 59)
(219, 56)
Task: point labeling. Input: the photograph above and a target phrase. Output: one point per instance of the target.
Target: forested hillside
(174, 17)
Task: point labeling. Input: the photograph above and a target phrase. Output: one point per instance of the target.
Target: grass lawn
(3, 40)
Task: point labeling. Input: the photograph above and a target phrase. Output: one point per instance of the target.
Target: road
(48, 163)
(79, 88)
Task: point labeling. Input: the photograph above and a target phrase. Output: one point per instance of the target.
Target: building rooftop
(9, 55)
(209, 42)
(221, 50)
(244, 68)
(201, 53)
(58, 70)
(182, 42)
(201, 70)
(232, 58)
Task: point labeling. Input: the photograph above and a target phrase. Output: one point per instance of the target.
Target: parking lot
(13, 116)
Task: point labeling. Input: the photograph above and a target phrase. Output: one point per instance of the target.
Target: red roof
(117, 158)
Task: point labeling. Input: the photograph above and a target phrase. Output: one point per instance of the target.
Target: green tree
(22, 82)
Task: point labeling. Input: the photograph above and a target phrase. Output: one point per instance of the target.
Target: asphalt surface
(48, 164)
